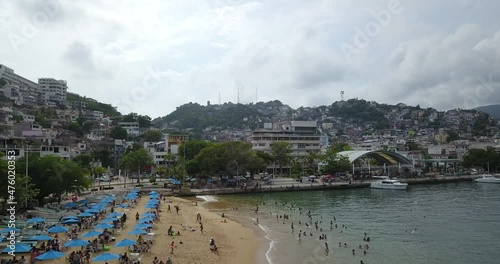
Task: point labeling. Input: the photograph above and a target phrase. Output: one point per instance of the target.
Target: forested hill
(492, 110)
(228, 115)
(241, 116)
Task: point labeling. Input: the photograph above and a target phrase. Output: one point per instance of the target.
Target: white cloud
(434, 53)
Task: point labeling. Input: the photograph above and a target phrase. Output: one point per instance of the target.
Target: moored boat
(389, 184)
(488, 178)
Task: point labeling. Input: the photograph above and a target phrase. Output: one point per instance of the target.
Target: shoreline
(321, 187)
(260, 236)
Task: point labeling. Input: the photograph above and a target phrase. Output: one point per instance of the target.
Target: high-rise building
(53, 90)
(21, 90)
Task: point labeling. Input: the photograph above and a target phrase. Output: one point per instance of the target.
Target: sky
(152, 56)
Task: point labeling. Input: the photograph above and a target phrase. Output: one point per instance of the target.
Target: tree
(482, 158)
(55, 176)
(136, 159)
(335, 163)
(83, 160)
(104, 156)
(152, 135)
(25, 190)
(191, 148)
(118, 132)
(281, 153)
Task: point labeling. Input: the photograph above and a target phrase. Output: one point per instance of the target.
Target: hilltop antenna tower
(256, 100)
(238, 101)
(220, 101)
(342, 95)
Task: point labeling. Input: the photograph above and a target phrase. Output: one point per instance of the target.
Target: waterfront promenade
(287, 185)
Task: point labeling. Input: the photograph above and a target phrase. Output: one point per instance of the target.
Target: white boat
(488, 178)
(389, 184)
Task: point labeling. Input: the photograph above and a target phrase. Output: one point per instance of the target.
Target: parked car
(104, 178)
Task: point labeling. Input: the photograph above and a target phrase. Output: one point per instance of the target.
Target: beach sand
(236, 243)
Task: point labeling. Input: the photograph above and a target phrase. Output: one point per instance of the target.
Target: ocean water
(455, 223)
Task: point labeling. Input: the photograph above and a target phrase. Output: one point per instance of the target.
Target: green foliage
(191, 148)
(136, 159)
(230, 158)
(17, 118)
(335, 163)
(55, 176)
(452, 136)
(24, 188)
(358, 111)
(198, 117)
(107, 109)
(144, 121)
(481, 158)
(152, 135)
(83, 160)
(281, 153)
(104, 156)
(118, 132)
(42, 115)
(480, 127)
(2, 82)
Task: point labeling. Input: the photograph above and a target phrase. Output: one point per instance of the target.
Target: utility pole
(27, 161)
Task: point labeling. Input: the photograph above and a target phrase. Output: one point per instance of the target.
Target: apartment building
(6, 122)
(19, 89)
(303, 136)
(53, 90)
(131, 127)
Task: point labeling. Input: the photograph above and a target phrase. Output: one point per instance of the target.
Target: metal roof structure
(381, 156)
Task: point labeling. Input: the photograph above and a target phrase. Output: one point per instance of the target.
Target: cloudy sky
(151, 56)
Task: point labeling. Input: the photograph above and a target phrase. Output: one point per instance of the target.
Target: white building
(59, 151)
(303, 137)
(53, 90)
(27, 91)
(131, 127)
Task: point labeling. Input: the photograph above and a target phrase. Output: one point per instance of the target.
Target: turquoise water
(433, 224)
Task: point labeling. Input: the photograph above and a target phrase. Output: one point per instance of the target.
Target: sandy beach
(236, 243)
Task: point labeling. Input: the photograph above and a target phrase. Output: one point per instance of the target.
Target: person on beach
(213, 247)
(172, 247)
(137, 216)
(326, 247)
(201, 228)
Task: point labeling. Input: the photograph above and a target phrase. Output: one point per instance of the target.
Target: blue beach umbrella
(151, 192)
(8, 229)
(18, 248)
(137, 232)
(50, 255)
(123, 205)
(41, 238)
(125, 243)
(69, 205)
(108, 220)
(134, 191)
(103, 226)
(148, 214)
(92, 211)
(115, 214)
(68, 217)
(57, 229)
(92, 233)
(71, 221)
(35, 220)
(150, 206)
(106, 257)
(85, 215)
(76, 243)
